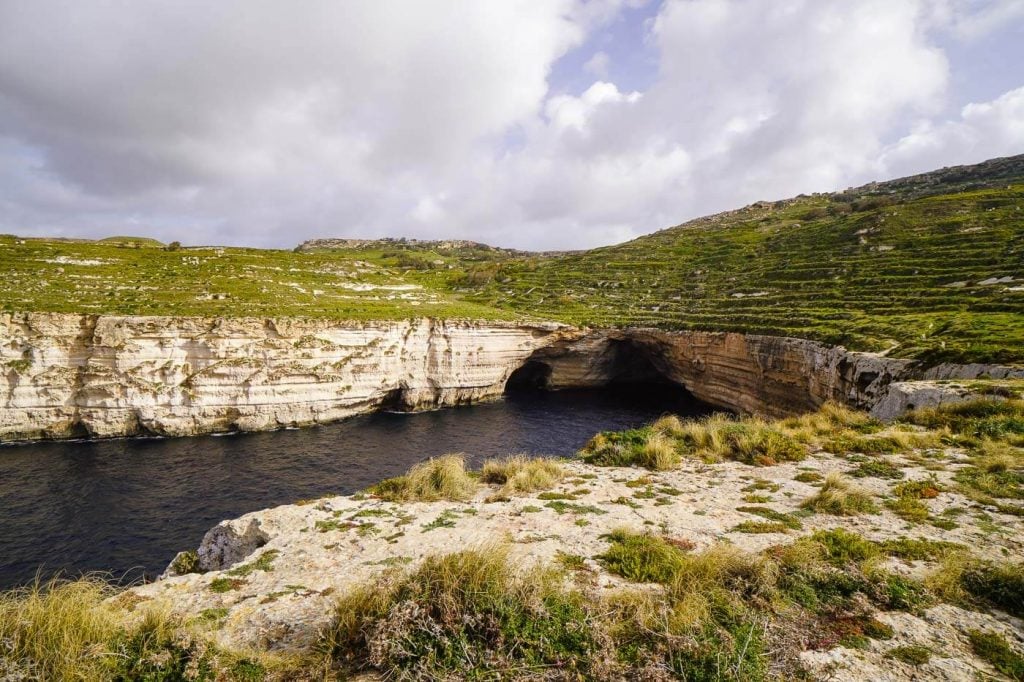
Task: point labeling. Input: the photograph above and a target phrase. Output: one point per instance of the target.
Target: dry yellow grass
(439, 478)
(840, 496)
(522, 474)
(58, 630)
(670, 425)
(658, 453)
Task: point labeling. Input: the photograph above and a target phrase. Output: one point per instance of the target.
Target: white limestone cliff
(98, 376)
(64, 375)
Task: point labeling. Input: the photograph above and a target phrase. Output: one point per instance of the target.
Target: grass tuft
(468, 614)
(72, 631)
(997, 652)
(522, 474)
(658, 453)
(839, 496)
(439, 478)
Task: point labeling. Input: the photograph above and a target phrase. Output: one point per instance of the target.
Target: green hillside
(139, 277)
(928, 267)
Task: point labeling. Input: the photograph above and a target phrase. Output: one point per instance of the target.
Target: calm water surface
(127, 506)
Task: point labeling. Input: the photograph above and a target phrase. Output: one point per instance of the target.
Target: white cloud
(756, 99)
(333, 115)
(972, 20)
(598, 64)
(983, 131)
(252, 122)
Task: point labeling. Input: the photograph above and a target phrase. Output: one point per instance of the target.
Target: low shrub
(919, 549)
(186, 562)
(926, 489)
(997, 652)
(467, 614)
(641, 557)
(962, 579)
(755, 527)
(787, 520)
(878, 468)
(615, 448)
(999, 585)
(908, 509)
(912, 654)
(522, 474)
(840, 497)
(440, 478)
(840, 547)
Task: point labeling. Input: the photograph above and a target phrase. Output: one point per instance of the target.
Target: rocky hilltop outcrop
(67, 376)
(386, 242)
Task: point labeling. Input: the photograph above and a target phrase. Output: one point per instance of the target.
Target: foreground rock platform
(279, 571)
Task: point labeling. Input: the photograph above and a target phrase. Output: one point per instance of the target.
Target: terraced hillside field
(931, 266)
(130, 276)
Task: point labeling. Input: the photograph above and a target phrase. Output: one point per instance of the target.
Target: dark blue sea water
(127, 506)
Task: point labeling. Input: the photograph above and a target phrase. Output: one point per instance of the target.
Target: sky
(533, 124)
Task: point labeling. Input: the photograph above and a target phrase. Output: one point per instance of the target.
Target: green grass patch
(447, 519)
(911, 654)
(993, 648)
(264, 562)
(222, 585)
(562, 507)
(641, 557)
(877, 468)
(788, 520)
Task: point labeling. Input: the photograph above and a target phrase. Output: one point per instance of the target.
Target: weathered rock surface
(80, 375)
(282, 593)
(100, 376)
(903, 396)
(771, 375)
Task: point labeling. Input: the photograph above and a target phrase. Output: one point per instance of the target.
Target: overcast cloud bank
(265, 123)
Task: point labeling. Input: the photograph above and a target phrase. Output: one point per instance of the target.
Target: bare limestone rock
(229, 542)
(99, 376)
(64, 375)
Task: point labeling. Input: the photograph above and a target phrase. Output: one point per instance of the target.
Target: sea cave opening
(532, 376)
(623, 370)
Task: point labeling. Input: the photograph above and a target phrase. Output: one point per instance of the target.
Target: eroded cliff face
(82, 375)
(100, 376)
(771, 375)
